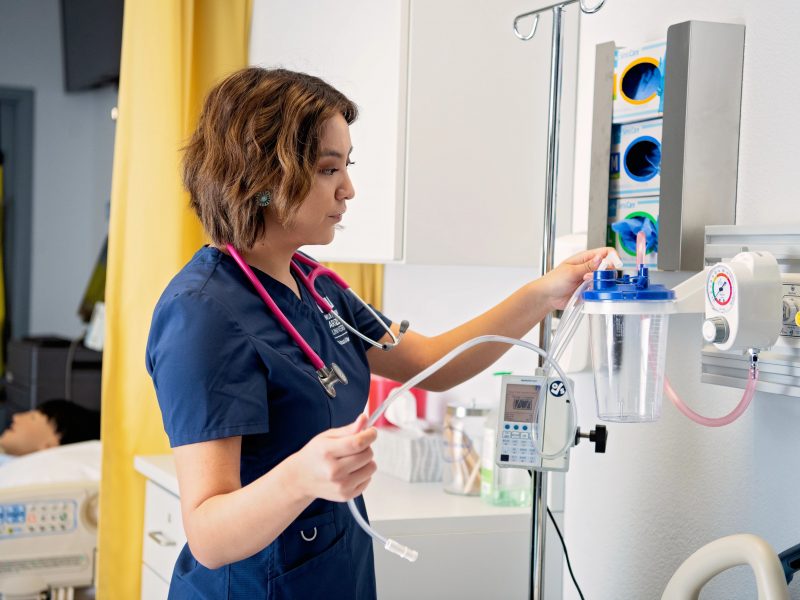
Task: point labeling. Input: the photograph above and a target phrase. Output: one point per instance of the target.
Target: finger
(363, 474)
(580, 257)
(350, 429)
(355, 481)
(350, 464)
(591, 264)
(360, 488)
(353, 444)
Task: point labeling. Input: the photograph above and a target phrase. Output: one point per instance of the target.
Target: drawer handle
(159, 538)
(311, 538)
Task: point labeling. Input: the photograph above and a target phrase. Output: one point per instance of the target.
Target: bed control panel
(45, 517)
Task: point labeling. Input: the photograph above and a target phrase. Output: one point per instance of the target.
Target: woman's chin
(322, 240)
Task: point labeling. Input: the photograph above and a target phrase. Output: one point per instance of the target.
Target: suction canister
(628, 321)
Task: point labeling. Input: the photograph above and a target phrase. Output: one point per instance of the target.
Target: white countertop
(388, 498)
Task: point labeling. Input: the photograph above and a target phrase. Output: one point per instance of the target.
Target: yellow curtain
(366, 280)
(172, 53)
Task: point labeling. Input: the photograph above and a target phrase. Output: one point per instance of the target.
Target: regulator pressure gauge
(720, 288)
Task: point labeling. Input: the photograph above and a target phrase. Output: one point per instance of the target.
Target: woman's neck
(272, 259)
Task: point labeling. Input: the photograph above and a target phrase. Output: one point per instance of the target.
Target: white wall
(73, 148)
(664, 489)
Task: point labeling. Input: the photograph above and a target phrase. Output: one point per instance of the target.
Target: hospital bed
(48, 530)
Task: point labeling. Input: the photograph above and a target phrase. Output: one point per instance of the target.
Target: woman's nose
(347, 191)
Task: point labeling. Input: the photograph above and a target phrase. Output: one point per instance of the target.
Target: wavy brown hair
(259, 131)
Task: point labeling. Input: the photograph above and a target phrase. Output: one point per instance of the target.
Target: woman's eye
(328, 171)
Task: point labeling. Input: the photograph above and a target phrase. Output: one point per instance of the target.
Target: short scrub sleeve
(209, 380)
(365, 322)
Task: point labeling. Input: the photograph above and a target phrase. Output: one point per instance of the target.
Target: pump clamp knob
(598, 436)
(716, 330)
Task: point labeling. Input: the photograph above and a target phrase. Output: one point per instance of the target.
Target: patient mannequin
(52, 423)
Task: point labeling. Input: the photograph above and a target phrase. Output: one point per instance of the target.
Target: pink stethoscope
(328, 376)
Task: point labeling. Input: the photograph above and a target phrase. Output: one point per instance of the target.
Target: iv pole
(540, 478)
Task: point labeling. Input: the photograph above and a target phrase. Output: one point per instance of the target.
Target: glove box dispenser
(674, 175)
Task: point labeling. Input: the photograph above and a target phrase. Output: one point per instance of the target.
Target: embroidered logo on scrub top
(337, 330)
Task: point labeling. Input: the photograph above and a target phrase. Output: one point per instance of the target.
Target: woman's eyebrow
(334, 153)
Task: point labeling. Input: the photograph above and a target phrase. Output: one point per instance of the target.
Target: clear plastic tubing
(737, 412)
(398, 548)
(570, 319)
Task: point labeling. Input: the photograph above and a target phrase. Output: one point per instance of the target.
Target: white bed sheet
(72, 462)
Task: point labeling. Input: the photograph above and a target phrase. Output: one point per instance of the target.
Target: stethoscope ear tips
(395, 338)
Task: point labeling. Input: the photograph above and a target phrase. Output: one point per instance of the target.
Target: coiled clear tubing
(563, 335)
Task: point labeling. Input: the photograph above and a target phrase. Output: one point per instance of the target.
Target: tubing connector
(401, 550)
(753, 352)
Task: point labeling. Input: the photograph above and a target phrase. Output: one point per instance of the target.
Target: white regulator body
(743, 302)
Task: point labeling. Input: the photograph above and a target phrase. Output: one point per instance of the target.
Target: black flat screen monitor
(91, 33)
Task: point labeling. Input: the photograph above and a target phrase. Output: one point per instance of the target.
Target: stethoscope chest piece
(330, 376)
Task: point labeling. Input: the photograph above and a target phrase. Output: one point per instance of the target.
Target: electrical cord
(563, 546)
(69, 365)
(566, 554)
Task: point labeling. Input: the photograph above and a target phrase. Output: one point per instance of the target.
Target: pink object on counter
(379, 388)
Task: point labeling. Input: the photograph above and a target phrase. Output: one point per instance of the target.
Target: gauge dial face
(720, 288)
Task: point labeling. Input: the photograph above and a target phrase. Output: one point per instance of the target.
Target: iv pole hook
(589, 10)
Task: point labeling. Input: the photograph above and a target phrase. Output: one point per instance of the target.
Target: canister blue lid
(607, 286)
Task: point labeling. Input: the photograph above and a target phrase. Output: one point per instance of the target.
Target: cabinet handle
(160, 538)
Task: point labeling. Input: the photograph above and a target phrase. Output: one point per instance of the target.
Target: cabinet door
(477, 133)
(360, 47)
(153, 587)
(163, 536)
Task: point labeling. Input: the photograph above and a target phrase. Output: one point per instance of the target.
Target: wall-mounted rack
(702, 88)
(779, 366)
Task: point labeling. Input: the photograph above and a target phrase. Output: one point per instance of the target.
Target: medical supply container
(462, 440)
(628, 320)
(639, 82)
(501, 487)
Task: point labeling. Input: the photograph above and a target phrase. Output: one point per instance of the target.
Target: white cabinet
(162, 531)
(467, 549)
(450, 146)
(359, 47)
(153, 587)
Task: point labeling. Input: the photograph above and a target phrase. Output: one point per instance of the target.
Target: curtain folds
(172, 53)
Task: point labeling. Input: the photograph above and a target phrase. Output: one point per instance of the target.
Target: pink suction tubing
(749, 391)
(737, 412)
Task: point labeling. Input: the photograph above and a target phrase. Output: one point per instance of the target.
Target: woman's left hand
(559, 284)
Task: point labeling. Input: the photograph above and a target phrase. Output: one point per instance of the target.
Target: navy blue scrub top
(223, 366)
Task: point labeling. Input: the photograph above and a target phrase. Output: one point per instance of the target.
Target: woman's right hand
(337, 464)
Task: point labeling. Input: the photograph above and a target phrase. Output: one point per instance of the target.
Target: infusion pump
(520, 395)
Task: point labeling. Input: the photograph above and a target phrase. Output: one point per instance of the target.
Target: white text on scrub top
(338, 330)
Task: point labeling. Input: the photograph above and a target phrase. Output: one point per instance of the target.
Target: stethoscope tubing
(313, 357)
(308, 282)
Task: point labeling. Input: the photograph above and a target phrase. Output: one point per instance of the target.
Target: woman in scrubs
(264, 456)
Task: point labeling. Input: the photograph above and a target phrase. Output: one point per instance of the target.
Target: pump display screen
(520, 402)
(523, 403)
